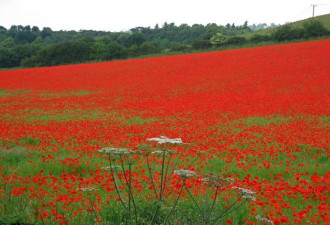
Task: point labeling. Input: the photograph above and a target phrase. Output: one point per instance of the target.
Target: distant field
(261, 114)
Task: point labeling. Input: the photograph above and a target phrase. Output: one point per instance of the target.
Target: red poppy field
(261, 115)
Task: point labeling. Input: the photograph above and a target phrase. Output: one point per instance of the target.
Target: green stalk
(176, 202)
(130, 190)
(190, 195)
(166, 172)
(162, 176)
(205, 206)
(116, 186)
(214, 200)
(227, 212)
(151, 177)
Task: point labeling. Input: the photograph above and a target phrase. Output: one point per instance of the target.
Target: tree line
(28, 46)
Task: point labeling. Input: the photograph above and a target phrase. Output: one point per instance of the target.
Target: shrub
(314, 28)
(201, 44)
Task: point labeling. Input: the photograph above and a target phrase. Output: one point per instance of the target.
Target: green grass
(139, 120)
(260, 121)
(325, 119)
(324, 19)
(5, 93)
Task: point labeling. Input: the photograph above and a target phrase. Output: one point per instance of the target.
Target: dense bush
(236, 40)
(314, 28)
(60, 53)
(201, 44)
(310, 29)
(259, 38)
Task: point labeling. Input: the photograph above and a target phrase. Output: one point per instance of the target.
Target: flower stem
(175, 203)
(116, 186)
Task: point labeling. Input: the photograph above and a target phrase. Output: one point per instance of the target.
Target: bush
(178, 47)
(236, 40)
(148, 48)
(314, 28)
(219, 40)
(61, 53)
(201, 44)
(259, 38)
(284, 33)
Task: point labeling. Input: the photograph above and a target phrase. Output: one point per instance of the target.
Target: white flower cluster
(161, 152)
(211, 181)
(164, 139)
(230, 180)
(118, 151)
(184, 173)
(87, 189)
(246, 193)
(264, 220)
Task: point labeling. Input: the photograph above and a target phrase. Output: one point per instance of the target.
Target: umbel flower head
(264, 220)
(86, 189)
(184, 173)
(116, 151)
(164, 139)
(216, 181)
(247, 194)
(161, 152)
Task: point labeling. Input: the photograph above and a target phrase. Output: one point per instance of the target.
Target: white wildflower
(211, 181)
(118, 151)
(264, 220)
(230, 180)
(161, 152)
(87, 189)
(246, 193)
(164, 139)
(184, 173)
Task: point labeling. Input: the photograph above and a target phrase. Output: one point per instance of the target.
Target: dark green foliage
(314, 28)
(201, 44)
(46, 32)
(32, 47)
(175, 46)
(7, 58)
(148, 48)
(310, 29)
(60, 53)
(11, 57)
(236, 40)
(259, 38)
(116, 51)
(284, 33)
(135, 39)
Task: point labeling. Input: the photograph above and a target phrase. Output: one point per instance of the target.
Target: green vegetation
(258, 121)
(30, 47)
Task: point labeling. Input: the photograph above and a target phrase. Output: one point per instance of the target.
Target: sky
(121, 15)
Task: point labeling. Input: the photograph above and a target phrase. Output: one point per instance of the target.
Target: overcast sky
(119, 15)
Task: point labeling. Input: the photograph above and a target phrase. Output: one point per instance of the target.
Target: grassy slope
(325, 19)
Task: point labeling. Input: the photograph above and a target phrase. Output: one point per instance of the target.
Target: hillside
(324, 19)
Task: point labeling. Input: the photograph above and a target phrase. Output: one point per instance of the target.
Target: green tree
(46, 32)
(8, 42)
(218, 40)
(116, 51)
(136, 39)
(201, 44)
(211, 30)
(148, 48)
(314, 28)
(133, 51)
